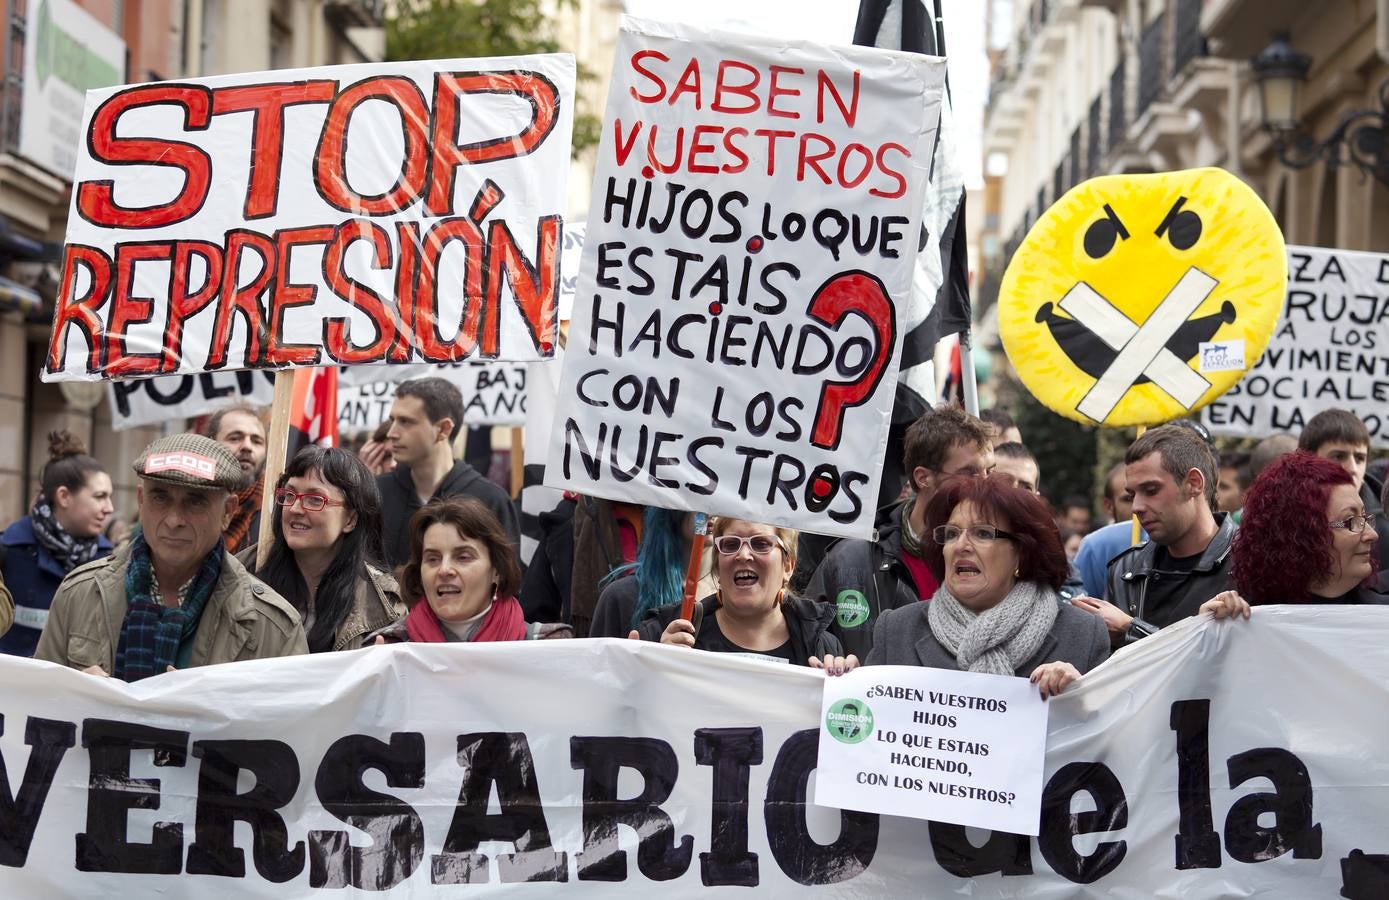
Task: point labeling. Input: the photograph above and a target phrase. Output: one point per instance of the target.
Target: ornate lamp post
(1359, 138)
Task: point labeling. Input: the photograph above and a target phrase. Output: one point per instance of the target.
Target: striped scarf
(152, 632)
(247, 505)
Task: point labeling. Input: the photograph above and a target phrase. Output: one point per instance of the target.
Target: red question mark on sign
(864, 294)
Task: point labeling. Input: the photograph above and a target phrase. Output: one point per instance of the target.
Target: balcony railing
(1187, 41)
(1074, 157)
(1092, 139)
(1118, 120)
(1151, 75)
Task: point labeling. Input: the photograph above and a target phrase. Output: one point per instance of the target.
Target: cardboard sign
(1106, 307)
(1329, 351)
(934, 744)
(401, 212)
(752, 237)
(493, 394)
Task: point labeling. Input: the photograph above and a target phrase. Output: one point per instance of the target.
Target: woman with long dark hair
(326, 558)
(656, 579)
(62, 531)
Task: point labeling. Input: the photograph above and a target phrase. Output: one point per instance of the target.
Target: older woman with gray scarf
(998, 557)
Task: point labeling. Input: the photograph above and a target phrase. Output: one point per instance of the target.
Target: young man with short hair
(1340, 436)
(1233, 484)
(1016, 462)
(240, 429)
(1170, 474)
(426, 416)
(172, 596)
(863, 578)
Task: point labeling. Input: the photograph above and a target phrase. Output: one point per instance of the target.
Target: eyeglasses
(312, 502)
(760, 544)
(1353, 524)
(978, 534)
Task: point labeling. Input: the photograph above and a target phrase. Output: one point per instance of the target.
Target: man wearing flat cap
(172, 596)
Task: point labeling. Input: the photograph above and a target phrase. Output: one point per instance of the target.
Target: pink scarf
(503, 622)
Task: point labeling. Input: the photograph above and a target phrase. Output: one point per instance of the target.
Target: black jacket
(1131, 571)
(807, 622)
(862, 579)
(399, 502)
(544, 591)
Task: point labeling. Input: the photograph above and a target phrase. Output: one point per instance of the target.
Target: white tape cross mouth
(1142, 350)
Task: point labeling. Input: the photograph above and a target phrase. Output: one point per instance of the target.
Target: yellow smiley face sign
(1137, 299)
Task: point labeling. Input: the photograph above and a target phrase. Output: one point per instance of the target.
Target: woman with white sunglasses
(753, 612)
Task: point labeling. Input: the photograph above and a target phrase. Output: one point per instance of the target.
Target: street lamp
(1359, 137)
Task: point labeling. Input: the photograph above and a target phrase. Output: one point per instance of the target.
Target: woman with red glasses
(753, 612)
(326, 558)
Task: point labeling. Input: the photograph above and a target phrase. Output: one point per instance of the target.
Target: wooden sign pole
(518, 461)
(277, 444)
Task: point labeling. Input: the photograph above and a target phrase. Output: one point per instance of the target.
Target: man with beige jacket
(171, 597)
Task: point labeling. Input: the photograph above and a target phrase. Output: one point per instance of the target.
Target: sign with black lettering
(399, 212)
(424, 770)
(494, 393)
(751, 240)
(1331, 350)
(934, 744)
(151, 401)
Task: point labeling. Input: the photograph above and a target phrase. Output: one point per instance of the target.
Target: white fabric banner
(1331, 351)
(150, 401)
(749, 254)
(396, 212)
(494, 393)
(1217, 759)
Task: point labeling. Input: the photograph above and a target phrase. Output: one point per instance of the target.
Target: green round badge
(852, 608)
(849, 721)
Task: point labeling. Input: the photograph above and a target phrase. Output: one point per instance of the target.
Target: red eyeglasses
(312, 502)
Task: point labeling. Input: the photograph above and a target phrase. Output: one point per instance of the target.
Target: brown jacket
(377, 604)
(243, 619)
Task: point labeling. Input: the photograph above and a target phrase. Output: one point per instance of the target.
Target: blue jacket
(33, 576)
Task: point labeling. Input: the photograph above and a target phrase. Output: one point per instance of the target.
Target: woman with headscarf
(326, 555)
(753, 611)
(461, 580)
(997, 554)
(62, 531)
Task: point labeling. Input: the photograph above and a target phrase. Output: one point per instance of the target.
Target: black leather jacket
(1130, 572)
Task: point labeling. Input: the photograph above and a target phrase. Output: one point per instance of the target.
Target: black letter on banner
(730, 751)
(1060, 826)
(1198, 846)
(503, 759)
(49, 740)
(397, 834)
(1290, 805)
(1004, 852)
(112, 794)
(220, 807)
(659, 857)
(795, 851)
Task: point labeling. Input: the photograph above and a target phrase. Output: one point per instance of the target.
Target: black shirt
(712, 638)
(1165, 604)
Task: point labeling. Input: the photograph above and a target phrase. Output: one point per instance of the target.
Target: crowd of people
(970, 569)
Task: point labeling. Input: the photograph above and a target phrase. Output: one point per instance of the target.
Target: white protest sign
(934, 744)
(1216, 759)
(398, 212)
(494, 393)
(150, 401)
(1331, 350)
(751, 242)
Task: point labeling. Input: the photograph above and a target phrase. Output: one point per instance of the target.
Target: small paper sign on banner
(934, 744)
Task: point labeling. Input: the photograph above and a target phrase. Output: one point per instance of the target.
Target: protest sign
(1330, 351)
(400, 212)
(1105, 308)
(934, 744)
(494, 393)
(752, 237)
(151, 401)
(414, 769)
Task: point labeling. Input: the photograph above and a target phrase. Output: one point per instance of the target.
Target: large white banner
(67, 52)
(750, 247)
(400, 212)
(151, 401)
(1331, 350)
(494, 393)
(1215, 760)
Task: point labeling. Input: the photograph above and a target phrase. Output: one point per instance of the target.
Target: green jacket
(243, 619)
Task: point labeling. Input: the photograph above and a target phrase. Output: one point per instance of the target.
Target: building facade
(73, 45)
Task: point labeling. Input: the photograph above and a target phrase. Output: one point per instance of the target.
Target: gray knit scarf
(997, 640)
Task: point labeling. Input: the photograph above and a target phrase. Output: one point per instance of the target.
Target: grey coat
(903, 637)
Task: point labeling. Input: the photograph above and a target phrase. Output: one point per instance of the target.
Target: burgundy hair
(1041, 558)
(1283, 544)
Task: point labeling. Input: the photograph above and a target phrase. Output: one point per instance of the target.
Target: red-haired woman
(461, 579)
(1304, 538)
(998, 557)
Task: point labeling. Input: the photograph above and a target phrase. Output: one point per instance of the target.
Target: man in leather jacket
(1170, 472)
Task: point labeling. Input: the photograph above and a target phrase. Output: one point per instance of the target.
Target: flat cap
(190, 460)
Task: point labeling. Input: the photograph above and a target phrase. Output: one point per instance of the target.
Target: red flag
(314, 409)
